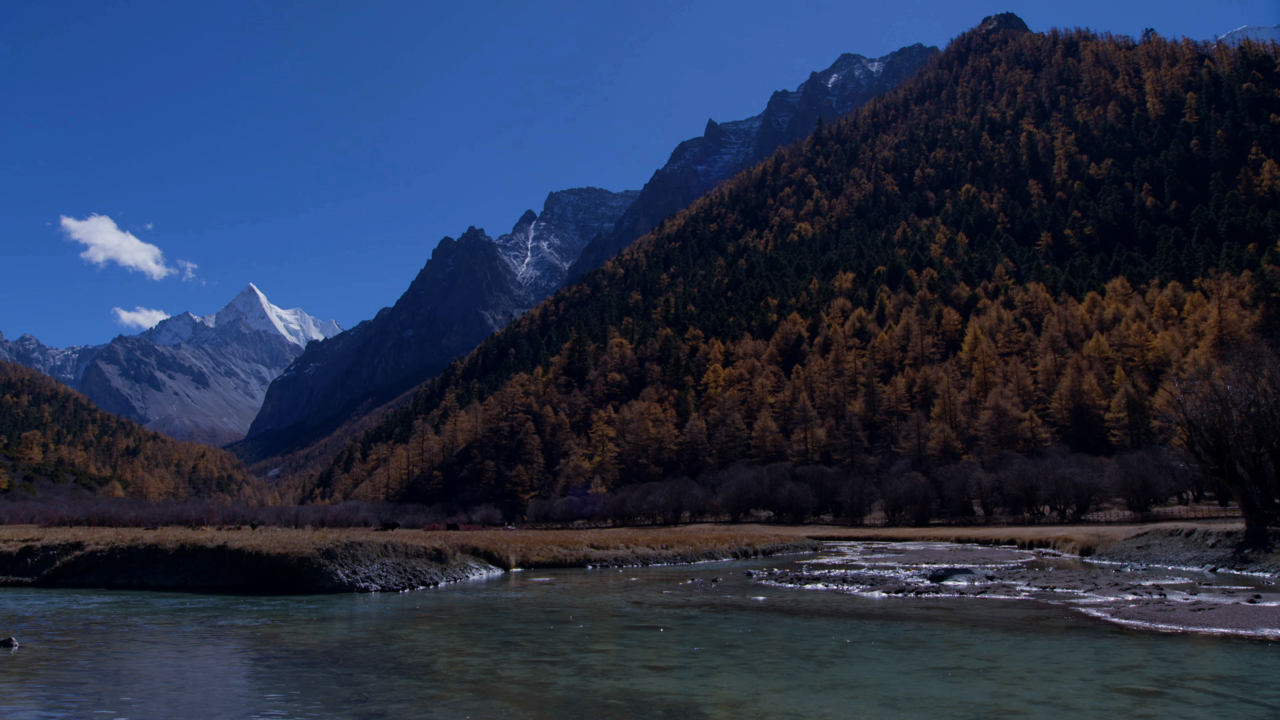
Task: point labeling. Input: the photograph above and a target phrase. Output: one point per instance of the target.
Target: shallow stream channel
(874, 630)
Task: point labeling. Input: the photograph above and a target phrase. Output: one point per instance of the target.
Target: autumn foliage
(49, 432)
(1016, 249)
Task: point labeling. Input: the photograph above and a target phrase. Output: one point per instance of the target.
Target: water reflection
(605, 644)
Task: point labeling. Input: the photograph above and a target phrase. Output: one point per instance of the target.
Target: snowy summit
(256, 312)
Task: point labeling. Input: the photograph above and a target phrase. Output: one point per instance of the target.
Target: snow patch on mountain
(540, 248)
(1256, 33)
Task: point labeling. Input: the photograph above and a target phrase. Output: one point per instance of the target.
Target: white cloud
(106, 242)
(188, 270)
(139, 318)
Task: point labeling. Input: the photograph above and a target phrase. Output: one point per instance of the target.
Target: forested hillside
(1014, 249)
(50, 433)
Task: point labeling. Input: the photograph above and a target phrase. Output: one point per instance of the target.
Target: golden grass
(504, 548)
(1074, 539)
(576, 548)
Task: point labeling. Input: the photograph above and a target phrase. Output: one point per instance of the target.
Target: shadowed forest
(994, 271)
(54, 438)
(980, 296)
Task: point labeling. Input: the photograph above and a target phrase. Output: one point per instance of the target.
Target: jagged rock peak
(474, 234)
(63, 364)
(528, 218)
(540, 248)
(295, 325)
(1003, 21)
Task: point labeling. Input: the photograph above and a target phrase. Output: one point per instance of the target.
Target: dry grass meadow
(576, 548)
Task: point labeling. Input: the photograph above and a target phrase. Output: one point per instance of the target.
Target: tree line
(1018, 248)
(52, 434)
(909, 379)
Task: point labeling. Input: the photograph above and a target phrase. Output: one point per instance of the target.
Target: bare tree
(908, 498)
(1227, 416)
(857, 496)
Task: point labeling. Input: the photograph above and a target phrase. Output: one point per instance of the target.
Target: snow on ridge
(251, 306)
(295, 325)
(174, 330)
(1257, 33)
(517, 249)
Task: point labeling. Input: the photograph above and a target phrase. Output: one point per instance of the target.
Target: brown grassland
(509, 549)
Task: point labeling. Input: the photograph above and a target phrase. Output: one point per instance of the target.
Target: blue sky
(320, 149)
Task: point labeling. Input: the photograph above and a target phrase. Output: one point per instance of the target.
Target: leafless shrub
(745, 489)
(129, 512)
(1143, 479)
(955, 489)
(857, 497)
(908, 498)
(486, 515)
(1227, 416)
(1071, 483)
(1021, 489)
(792, 501)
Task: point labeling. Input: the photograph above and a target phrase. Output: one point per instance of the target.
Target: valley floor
(285, 560)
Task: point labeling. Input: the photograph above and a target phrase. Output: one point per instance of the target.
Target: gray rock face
(540, 248)
(470, 288)
(193, 378)
(700, 164)
(204, 393)
(465, 292)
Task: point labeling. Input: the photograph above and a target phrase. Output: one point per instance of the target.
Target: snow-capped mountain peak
(258, 313)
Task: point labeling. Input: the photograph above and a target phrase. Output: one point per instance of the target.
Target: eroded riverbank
(290, 561)
(282, 560)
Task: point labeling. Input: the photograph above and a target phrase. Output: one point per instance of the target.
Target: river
(635, 643)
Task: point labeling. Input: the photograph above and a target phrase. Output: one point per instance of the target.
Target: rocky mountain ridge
(475, 285)
(63, 364)
(470, 288)
(540, 248)
(199, 378)
(700, 164)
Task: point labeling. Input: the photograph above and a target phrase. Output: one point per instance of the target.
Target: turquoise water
(641, 643)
